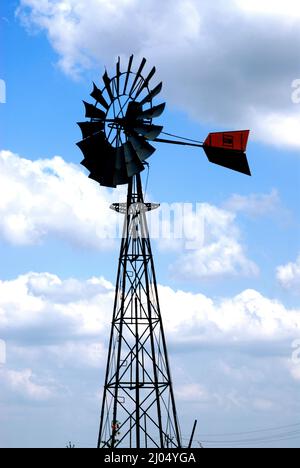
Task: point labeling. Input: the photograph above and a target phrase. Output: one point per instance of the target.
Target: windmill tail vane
(227, 149)
(138, 405)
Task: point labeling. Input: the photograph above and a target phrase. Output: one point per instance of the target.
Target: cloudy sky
(231, 303)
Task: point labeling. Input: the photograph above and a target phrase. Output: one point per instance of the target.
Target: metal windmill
(138, 408)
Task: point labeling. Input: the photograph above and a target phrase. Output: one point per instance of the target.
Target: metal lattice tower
(138, 407)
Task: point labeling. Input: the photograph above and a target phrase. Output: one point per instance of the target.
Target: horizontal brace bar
(128, 385)
(182, 143)
(199, 145)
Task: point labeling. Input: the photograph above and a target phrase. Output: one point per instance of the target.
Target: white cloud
(52, 324)
(230, 63)
(289, 276)
(31, 315)
(79, 355)
(50, 287)
(256, 204)
(25, 384)
(222, 258)
(52, 197)
(36, 303)
(295, 372)
(192, 393)
(278, 128)
(75, 28)
(219, 253)
(2, 92)
(248, 316)
(226, 353)
(288, 8)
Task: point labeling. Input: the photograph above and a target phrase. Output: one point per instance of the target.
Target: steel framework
(138, 408)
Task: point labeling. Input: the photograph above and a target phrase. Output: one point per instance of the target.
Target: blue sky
(56, 273)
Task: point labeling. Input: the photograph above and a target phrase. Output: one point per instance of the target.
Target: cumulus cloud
(289, 8)
(225, 351)
(25, 384)
(192, 393)
(44, 333)
(50, 324)
(51, 197)
(256, 204)
(289, 276)
(222, 258)
(219, 252)
(231, 62)
(41, 308)
(50, 287)
(247, 317)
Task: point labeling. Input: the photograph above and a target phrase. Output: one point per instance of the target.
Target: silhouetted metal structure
(138, 408)
(138, 395)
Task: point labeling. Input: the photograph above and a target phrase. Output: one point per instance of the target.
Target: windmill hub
(114, 122)
(124, 120)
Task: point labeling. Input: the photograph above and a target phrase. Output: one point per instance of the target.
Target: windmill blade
(101, 181)
(109, 161)
(148, 131)
(145, 83)
(152, 94)
(95, 177)
(87, 164)
(117, 82)
(98, 96)
(133, 110)
(155, 111)
(120, 175)
(235, 160)
(142, 148)
(107, 82)
(93, 145)
(94, 166)
(128, 73)
(98, 155)
(133, 163)
(138, 75)
(89, 128)
(92, 112)
(99, 159)
(100, 170)
(105, 182)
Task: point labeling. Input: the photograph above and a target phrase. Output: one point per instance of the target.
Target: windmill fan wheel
(115, 141)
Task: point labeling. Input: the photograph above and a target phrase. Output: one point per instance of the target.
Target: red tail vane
(236, 140)
(227, 149)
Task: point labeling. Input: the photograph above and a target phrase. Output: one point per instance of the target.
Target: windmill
(138, 406)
